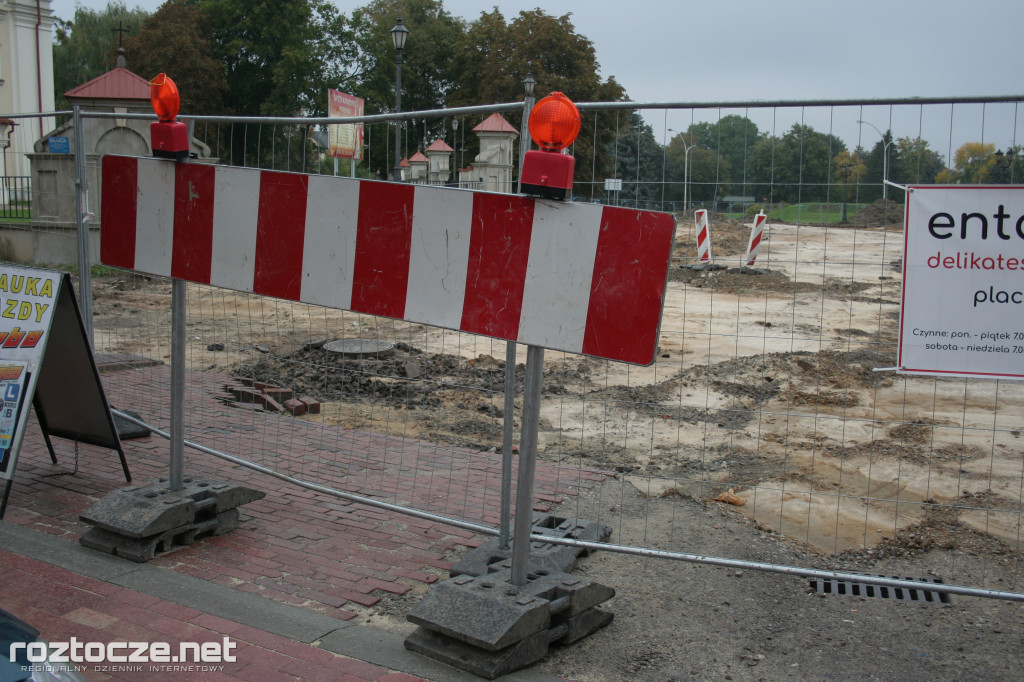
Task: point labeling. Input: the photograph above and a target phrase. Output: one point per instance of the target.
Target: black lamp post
(455, 152)
(524, 139)
(398, 35)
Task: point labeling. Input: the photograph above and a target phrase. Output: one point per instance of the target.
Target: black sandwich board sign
(46, 361)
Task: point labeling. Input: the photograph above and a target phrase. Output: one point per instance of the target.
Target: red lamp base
(169, 140)
(548, 175)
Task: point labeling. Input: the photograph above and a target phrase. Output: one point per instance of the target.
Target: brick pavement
(296, 547)
(63, 604)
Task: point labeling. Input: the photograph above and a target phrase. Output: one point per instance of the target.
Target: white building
(26, 78)
(493, 166)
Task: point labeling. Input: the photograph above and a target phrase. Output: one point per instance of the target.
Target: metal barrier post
(82, 220)
(177, 463)
(527, 465)
(506, 443)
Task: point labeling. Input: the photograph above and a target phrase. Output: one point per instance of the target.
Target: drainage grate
(857, 589)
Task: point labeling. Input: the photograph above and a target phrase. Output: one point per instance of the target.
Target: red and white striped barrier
(700, 218)
(755, 237)
(581, 278)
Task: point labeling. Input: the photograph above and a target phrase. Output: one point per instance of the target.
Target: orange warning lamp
(554, 124)
(169, 138)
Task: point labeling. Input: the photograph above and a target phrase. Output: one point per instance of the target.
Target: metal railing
(15, 197)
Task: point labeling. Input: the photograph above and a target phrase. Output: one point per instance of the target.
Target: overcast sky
(742, 50)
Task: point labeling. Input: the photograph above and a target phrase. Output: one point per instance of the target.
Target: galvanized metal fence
(772, 397)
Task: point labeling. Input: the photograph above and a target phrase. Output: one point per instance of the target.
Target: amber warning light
(168, 137)
(554, 125)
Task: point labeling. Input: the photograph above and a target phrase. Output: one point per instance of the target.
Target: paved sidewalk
(288, 583)
(62, 604)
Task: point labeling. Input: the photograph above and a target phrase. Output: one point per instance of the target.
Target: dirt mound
(882, 213)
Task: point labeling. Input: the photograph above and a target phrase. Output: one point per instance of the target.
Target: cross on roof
(120, 30)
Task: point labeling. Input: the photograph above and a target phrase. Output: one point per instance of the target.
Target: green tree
(847, 171)
(274, 53)
(496, 55)
(1007, 167)
(971, 163)
(880, 162)
(185, 54)
(709, 174)
(914, 162)
(732, 138)
(797, 167)
(86, 46)
(279, 57)
(638, 163)
(426, 69)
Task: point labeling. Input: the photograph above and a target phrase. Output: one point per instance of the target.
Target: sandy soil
(766, 385)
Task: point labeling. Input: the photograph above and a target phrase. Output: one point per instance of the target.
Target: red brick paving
(95, 611)
(295, 546)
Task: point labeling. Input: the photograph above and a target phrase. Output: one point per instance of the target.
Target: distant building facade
(26, 78)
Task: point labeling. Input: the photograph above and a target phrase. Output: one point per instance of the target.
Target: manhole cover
(858, 589)
(360, 348)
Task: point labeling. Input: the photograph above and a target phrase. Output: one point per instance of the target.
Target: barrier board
(582, 278)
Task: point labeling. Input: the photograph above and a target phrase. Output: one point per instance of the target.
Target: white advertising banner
(962, 311)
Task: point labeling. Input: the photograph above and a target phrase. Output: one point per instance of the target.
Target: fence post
(82, 221)
(527, 465)
(179, 293)
(506, 443)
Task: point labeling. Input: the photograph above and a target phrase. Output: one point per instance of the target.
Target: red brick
(247, 395)
(295, 407)
(279, 394)
(312, 406)
(366, 671)
(270, 403)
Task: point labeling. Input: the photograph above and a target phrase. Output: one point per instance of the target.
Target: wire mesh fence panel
(772, 410)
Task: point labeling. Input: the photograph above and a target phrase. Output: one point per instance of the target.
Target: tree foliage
(185, 54)
(971, 163)
(269, 52)
(914, 162)
(638, 162)
(86, 46)
(1008, 167)
(732, 139)
(279, 58)
(796, 167)
(496, 55)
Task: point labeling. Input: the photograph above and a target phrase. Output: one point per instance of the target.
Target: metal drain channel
(857, 589)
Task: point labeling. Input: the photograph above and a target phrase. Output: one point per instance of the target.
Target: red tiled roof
(419, 157)
(439, 146)
(119, 83)
(495, 123)
(404, 163)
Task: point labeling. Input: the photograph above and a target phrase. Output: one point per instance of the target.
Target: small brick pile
(272, 398)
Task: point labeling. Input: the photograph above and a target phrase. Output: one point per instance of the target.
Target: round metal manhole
(360, 348)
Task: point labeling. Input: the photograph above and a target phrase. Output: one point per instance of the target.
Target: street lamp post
(686, 175)
(455, 151)
(398, 35)
(844, 170)
(524, 139)
(885, 158)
